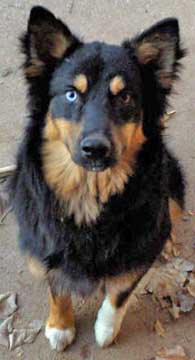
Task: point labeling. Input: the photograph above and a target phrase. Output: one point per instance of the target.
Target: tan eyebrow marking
(81, 83)
(117, 84)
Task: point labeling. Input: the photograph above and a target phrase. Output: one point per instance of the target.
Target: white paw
(104, 334)
(59, 339)
(107, 324)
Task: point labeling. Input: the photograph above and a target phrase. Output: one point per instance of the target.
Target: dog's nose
(95, 147)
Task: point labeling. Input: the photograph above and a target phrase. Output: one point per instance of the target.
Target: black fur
(123, 296)
(132, 226)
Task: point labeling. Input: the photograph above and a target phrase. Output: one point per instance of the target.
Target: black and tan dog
(95, 191)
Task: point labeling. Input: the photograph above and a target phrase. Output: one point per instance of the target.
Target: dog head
(102, 101)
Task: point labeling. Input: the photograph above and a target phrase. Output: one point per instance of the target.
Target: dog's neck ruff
(82, 193)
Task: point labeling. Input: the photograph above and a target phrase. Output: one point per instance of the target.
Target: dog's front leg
(115, 305)
(60, 326)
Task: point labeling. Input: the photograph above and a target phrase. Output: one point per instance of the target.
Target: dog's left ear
(46, 41)
(158, 48)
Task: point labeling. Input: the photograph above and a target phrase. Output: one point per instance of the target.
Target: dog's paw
(107, 325)
(104, 334)
(59, 339)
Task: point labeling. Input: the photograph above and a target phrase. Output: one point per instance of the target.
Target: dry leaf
(183, 265)
(173, 286)
(7, 305)
(174, 311)
(176, 250)
(168, 250)
(24, 336)
(176, 353)
(191, 286)
(19, 353)
(9, 337)
(167, 117)
(5, 205)
(158, 327)
(166, 281)
(21, 336)
(12, 338)
(171, 248)
(186, 302)
(6, 328)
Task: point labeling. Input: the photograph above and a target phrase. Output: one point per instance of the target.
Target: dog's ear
(158, 48)
(157, 52)
(46, 41)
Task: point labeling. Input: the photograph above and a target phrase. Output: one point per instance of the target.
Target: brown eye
(126, 98)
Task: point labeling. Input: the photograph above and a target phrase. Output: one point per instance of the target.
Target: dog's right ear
(46, 41)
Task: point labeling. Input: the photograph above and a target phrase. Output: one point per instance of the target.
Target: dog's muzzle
(96, 147)
(95, 152)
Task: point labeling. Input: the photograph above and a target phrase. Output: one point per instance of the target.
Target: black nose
(95, 147)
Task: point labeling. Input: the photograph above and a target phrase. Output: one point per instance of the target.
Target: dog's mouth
(95, 165)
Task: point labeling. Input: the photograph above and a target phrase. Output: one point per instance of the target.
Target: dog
(96, 191)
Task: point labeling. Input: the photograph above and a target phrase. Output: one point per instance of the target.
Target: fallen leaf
(5, 205)
(184, 265)
(19, 353)
(7, 305)
(173, 286)
(166, 281)
(168, 250)
(191, 286)
(174, 311)
(22, 336)
(6, 327)
(168, 115)
(176, 250)
(186, 302)
(158, 327)
(171, 248)
(176, 353)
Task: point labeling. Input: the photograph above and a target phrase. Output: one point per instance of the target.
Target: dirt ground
(111, 21)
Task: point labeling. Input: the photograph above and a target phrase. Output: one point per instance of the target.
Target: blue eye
(71, 95)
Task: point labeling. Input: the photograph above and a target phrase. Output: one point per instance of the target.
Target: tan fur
(158, 48)
(70, 182)
(147, 52)
(35, 69)
(49, 42)
(117, 84)
(61, 44)
(174, 210)
(128, 140)
(74, 185)
(81, 83)
(169, 248)
(36, 268)
(116, 285)
(114, 307)
(61, 314)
